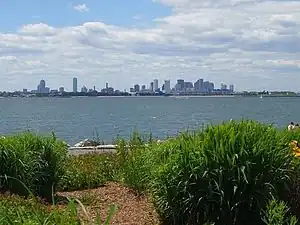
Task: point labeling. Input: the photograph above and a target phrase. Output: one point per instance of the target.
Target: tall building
(61, 89)
(143, 87)
(167, 86)
(136, 88)
(75, 85)
(198, 85)
(180, 85)
(231, 88)
(155, 84)
(152, 87)
(42, 89)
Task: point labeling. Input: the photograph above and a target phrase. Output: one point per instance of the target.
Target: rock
(87, 143)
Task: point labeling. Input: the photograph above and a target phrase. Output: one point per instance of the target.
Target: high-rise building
(231, 88)
(167, 86)
(42, 89)
(143, 87)
(75, 85)
(180, 85)
(152, 87)
(136, 88)
(155, 85)
(198, 85)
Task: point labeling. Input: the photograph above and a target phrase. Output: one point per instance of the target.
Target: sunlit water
(74, 119)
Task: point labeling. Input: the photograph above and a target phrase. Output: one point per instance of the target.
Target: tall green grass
(34, 161)
(88, 171)
(225, 174)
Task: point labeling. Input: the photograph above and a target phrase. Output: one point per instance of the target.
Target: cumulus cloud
(251, 43)
(81, 8)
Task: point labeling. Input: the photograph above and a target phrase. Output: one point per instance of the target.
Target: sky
(253, 44)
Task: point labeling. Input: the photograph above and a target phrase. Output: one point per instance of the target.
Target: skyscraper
(41, 88)
(155, 85)
(231, 88)
(74, 84)
(167, 86)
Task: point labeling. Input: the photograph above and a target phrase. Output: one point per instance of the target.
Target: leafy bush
(88, 171)
(31, 163)
(225, 174)
(277, 214)
(133, 162)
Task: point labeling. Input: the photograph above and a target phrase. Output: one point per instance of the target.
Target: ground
(133, 209)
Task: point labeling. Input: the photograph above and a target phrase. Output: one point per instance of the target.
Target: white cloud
(251, 43)
(81, 8)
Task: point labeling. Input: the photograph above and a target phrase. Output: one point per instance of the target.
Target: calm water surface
(74, 119)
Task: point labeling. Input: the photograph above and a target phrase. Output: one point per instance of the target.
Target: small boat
(261, 96)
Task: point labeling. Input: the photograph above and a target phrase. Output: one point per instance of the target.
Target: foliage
(133, 162)
(277, 214)
(88, 171)
(225, 174)
(34, 161)
(15, 210)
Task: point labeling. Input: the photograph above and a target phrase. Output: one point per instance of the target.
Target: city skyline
(253, 43)
(179, 85)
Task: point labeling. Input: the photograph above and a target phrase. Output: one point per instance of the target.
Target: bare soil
(132, 209)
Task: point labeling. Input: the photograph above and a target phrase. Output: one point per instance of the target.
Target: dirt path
(132, 209)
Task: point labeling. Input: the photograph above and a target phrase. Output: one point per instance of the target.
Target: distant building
(167, 86)
(136, 88)
(231, 88)
(180, 85)
(25, 91)
(42, 89)
(84, 89)
(75, 85)
(152, 87)
(155, 85)
(61, 89)
(198, 86)
(143, 87)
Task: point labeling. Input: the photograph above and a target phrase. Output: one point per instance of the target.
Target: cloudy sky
(254, 44)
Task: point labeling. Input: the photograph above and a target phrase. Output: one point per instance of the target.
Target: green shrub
(88, 171)
(277, 214)
(225, 174)
(133, 162)
(31, 162)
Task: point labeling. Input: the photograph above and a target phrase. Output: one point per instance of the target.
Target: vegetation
(221, 174)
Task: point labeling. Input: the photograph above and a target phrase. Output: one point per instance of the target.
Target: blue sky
(59, 13)
(253, 44)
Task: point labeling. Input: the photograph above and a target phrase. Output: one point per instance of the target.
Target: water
(74, 119)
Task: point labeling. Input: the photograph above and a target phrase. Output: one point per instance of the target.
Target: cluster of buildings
(183, 87)
(43, 89)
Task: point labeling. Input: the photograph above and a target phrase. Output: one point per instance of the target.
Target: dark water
(74, 119)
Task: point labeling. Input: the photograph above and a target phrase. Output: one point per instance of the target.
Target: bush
(134, 165)
(88, 171)
(277, 214)
(31, 163)
(225, 174)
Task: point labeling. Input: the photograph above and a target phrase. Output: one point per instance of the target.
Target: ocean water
(74, 119)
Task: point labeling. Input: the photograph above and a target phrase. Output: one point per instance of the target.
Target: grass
(220, 174)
